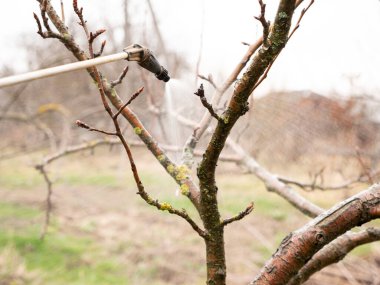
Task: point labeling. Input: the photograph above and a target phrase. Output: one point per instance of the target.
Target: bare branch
(264, 22)
(335, 252)
(92, 144)
(298, 247)
(315, 186)
(303, 12)
(49, 33)
(167, 207)
(100, 52)
(79, 13)
(133, 97)
(274, 184)
(118, 133)
(76, 148)
(93, 36)
(240, 216)
(201, 94)
(217, 96)
(271, 181)
(43, 15)
(120, 78)
(264, 76)
(116, 101)
(208, 79)
(91, 129)
(140, 187)
(38, 25)
(206, 119)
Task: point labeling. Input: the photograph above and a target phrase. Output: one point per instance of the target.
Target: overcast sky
(337, 40)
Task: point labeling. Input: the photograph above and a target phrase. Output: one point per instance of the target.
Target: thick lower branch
(298, 247)
(335, 252)
(215, 257)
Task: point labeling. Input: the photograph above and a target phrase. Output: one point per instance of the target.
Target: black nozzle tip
(163, 75)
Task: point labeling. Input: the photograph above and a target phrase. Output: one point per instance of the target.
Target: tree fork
(215, 255)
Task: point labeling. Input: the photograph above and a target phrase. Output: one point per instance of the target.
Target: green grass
(237, 191)
(100, 179)
(19, 177)
(60, 258)
(363, 250)
(17, 211)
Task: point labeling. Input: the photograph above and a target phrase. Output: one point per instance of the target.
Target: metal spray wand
(135, 52)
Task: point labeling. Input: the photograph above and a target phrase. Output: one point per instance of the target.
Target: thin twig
(264, 76)
(93, 36)
(49, 33)
(100, 52)
(209, 79)
(91, 129)
(206, 119)
(45, 19)
(201, 94)
(166, 206)
(204, 123)
(82, 22)
(133, 97)
(304, 10)
(240, 216)
(38, 25)
(120, 78)
(264, 22)
(49, 204)
(315, 186)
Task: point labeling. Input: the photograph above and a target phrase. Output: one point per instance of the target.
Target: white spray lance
(135, 52)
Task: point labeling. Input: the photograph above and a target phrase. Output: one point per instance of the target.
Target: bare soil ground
(157, 248)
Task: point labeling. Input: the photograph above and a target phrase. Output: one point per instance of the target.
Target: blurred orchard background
(315, 119)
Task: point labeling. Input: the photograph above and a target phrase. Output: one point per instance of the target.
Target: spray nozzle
(146, 59)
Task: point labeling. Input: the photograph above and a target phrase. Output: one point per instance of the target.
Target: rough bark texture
(238, 106)
(299, 247)
(334, 252)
